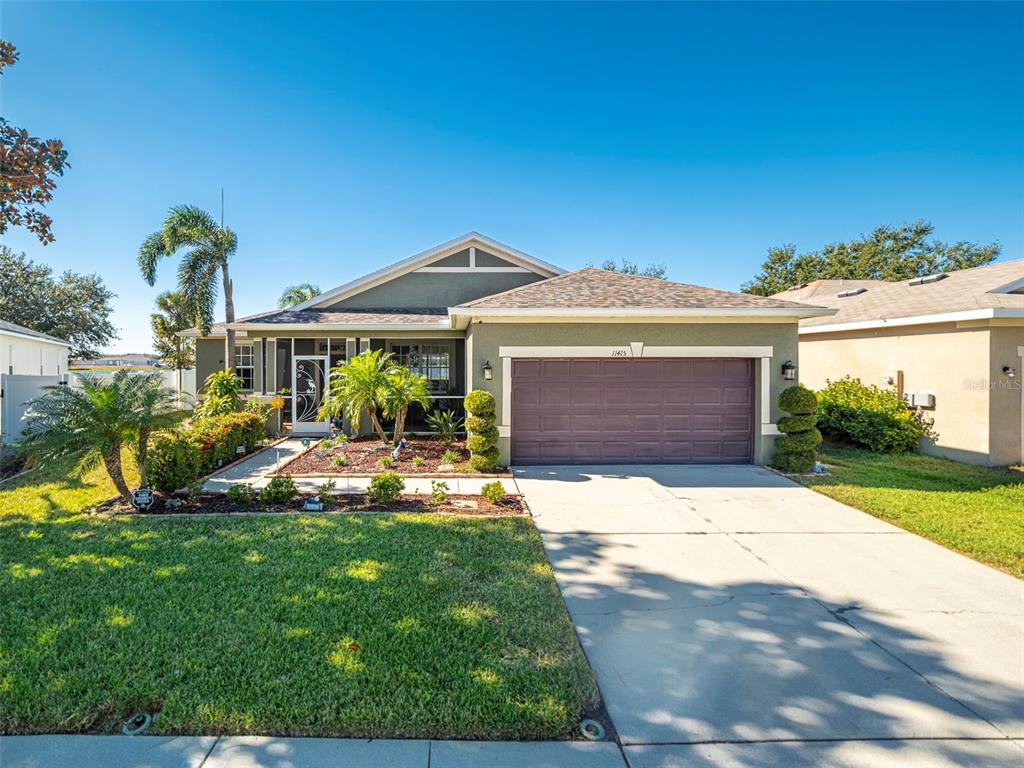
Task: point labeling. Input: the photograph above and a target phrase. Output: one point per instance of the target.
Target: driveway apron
(736, 618)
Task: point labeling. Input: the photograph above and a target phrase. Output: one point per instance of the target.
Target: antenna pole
(222, 207)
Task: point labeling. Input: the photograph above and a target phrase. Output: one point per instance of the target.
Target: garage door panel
(670, 410)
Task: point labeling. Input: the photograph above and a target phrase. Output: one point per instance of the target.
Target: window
(430, 360)
(245, 365)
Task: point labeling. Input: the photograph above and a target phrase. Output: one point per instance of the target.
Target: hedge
(875, 418)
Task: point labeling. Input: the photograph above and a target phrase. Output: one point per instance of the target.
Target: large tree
(28, 170)
(627, 267)
(296, 294)
(69, 306)
(171, 317)
(208, 248)
(886, 253)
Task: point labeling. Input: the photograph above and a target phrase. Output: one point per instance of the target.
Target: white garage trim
(633, 349)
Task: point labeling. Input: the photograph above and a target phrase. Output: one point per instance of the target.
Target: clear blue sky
(350, 136)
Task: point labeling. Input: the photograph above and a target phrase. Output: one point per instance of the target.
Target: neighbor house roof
(14, 329)
(349, 319)
(994, 290)
(592, 291)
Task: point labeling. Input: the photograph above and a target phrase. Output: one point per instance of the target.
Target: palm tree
(355, 386)
(210, 246)
(401, 389)
(296, 294)
(171, 317)
(91, 425)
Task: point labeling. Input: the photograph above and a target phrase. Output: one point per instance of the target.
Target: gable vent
(928, 279)
(851, 292)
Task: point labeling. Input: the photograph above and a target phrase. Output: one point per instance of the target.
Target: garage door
(612, 411)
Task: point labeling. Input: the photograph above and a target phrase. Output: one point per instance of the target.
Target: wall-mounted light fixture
(488, 371)
(789, 370)
(1010, 371)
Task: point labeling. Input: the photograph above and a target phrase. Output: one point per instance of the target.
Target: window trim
(251, 367)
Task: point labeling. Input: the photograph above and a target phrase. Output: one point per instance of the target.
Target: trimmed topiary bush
(483, 434)
(869, 416)
(795, 450)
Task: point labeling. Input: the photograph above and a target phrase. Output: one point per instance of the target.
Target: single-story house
(31, 353)
(951, 343)
(29, 361)
(588, 366)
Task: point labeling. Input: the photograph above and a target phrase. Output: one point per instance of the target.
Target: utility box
(919, 399)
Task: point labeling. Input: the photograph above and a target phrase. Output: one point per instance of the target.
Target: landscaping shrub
(869, 416)
(796, 448)
(418, 461)
(385, 488)
(494, 492)
(280, 490)
(340, 460)
(222, 393)
(438, 491)
(173, 461)
(450, 456)
(218, 437)
(386, 462)
(483, 434)
(241, 493)
(445, 425)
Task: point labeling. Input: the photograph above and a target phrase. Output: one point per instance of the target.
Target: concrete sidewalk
(272, 752)
(258, 468)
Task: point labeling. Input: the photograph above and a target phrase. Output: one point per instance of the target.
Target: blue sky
(350, 136)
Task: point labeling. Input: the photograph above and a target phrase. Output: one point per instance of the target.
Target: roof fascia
(895, 322)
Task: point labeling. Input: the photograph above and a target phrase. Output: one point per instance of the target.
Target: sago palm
(208, 247)
(355, 386)
(402, 389)
(91, 425)
(296, 294)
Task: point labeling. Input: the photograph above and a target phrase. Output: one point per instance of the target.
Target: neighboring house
(28, 352)
(951, 343)
(586, 367)
(29, 361)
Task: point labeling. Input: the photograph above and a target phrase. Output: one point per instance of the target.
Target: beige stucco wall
(484, 339)
(956, 364)
(1006, 407)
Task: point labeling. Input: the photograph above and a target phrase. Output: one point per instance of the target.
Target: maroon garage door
(654, 411)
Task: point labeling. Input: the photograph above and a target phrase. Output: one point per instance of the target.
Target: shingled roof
(996, 286)
(592, 288)
(355, 318)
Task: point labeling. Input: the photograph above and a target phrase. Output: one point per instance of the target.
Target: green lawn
(391, 625)
(973, 510)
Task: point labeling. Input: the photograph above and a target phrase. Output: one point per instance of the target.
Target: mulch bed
(219, 504)
(363, 455)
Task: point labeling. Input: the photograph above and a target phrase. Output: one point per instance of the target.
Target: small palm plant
(355, 386)
(402, 389)
(90, 426)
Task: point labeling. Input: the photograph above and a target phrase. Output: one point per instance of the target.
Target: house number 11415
(620, 353)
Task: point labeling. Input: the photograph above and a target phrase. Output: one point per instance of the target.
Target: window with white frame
(245, 365)
(430, 360)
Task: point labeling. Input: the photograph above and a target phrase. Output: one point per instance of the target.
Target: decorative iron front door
(310, 385)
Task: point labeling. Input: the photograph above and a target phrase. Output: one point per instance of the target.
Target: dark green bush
(173, 462)
(798, 423)
(483, 434)
(385, 488)
(798, 400)
(240, 493)
(798, 462)
(280, 490)
(795, 448)
(799, 442)
(869, 416)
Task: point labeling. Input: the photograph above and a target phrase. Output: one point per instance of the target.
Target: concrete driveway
(735, 618)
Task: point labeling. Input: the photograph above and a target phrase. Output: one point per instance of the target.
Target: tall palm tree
(355, 386)
(171, 317)
(209, 248)
(91, 425)
(401, 389)
(296, 294)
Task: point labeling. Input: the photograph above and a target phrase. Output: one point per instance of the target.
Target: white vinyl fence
(17, 389)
